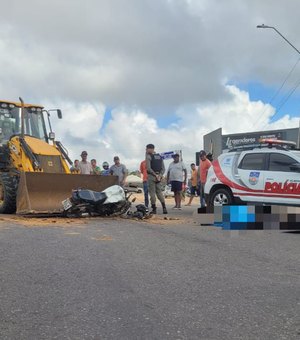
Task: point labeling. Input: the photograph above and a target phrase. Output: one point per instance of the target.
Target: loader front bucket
(43, 193)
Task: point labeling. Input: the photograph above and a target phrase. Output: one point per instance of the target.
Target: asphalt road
(121, 279)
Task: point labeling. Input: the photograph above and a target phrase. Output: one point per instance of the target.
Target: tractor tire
(8, 193)
(222, 196)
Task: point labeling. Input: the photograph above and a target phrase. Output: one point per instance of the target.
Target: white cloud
(83, 121)
(162, 54)
(128, 131)
(80, 126)
(145, 59)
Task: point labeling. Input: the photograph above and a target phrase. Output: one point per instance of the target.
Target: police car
(268, 173)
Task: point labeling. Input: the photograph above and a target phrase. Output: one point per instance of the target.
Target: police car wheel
(221, 197)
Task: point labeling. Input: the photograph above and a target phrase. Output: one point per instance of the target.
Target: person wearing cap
(105, 171)
(85, 167)
(155, 169)
(119, 170)
(177, 177)
(204, 165)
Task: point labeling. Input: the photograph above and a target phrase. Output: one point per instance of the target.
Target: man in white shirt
(177, 177)
(85, 167)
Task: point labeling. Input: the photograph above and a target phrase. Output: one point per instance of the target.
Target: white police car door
(282, 182)
(251, 173)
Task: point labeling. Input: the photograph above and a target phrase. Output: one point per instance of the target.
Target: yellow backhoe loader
(34, 167)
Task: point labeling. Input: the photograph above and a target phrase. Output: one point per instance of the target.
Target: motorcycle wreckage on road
(113, 201)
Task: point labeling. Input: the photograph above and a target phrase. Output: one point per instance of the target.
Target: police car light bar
(277, 142)
(266, 143)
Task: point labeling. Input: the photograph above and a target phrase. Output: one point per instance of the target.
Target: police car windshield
(296, 153)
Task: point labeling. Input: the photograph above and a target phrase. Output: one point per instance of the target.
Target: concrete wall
(213, 141)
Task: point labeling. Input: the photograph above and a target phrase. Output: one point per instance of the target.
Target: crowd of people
(85, 167)
(152, 169)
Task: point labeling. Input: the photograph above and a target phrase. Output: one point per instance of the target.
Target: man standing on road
(177, 176)
(155, 169)
(143, 170)
(194, 183)
(85, 167)
(119, 170)
(204, 165)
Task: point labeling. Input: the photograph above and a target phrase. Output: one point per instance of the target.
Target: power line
(284, 100)
(287, 97)
(277, 92)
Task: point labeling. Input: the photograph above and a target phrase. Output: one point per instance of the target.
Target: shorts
(176, 186)
(195, 190)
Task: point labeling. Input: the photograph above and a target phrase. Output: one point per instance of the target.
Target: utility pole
(296, 49)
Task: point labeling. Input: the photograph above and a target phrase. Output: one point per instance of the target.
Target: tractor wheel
(8, 193)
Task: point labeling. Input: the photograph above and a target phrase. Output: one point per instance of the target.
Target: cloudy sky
(128, 73)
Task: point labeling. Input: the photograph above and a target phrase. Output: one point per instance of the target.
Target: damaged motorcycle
(113, 201)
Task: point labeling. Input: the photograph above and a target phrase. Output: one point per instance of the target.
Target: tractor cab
(11, 121)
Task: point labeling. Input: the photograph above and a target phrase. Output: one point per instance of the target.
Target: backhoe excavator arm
(29, 154)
